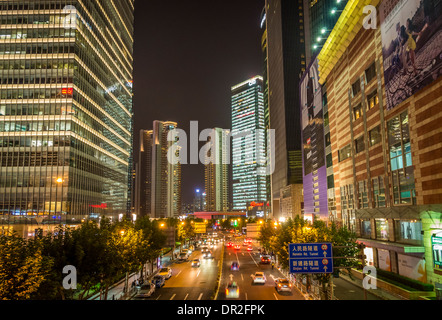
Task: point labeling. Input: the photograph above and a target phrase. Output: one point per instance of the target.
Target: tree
(23, 268)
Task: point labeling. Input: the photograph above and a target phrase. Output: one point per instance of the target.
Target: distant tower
(217, 172)
(248, 144)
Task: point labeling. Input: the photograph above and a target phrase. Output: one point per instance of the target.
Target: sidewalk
(116, 292)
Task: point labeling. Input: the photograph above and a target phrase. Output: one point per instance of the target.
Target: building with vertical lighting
(65, 110)
(286, 62)
(248, 144)
(143, 178)
(385, 136)
(265, 81)
(165, 187)
(216, 171)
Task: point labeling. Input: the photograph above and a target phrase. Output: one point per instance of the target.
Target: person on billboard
(411, 44)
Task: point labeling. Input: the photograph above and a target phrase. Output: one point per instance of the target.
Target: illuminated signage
(436, 243)
(99, 206)
(67, 91)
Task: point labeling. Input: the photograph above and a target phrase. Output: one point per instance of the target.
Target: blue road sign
(311, 257)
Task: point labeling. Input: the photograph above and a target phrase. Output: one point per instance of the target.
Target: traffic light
(361, 256)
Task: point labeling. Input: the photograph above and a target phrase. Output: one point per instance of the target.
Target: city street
(249, 263)
(191, 283)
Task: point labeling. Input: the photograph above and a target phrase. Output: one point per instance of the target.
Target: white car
(259, 277)
(166, 272)
(232, 290)
(145, 291)
(207, 255)
(195, 262)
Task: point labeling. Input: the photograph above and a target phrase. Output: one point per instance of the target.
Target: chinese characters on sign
(310, 258)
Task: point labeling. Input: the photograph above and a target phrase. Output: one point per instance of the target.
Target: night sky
(188, 54)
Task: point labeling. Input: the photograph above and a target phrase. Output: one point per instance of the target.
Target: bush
(404, 282)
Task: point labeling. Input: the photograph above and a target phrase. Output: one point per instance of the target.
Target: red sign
(256, 204)
(99, 206)
(67, 91)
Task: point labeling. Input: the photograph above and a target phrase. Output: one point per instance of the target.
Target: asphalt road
(191, 283)
(249, 263)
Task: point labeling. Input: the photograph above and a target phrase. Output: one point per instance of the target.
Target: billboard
(313, 141)
(411, 46)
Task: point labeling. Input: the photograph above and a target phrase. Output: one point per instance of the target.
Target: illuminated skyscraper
(166, 176)
(65, 110)
(217, 172)
(248, 144)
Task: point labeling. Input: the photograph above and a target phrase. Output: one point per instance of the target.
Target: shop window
(382, 232)
(366, 228)
(408, 231)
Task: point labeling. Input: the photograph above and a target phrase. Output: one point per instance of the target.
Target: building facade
(248, 133)
(286, 62)
(385, 136)
(65, 110)
(216, 171)
(158, 185)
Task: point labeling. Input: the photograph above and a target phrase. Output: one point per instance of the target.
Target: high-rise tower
(217, 172)
(65, 110)
(286, 62)
(248, 145)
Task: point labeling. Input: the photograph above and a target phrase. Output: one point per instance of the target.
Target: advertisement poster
(384, 259)
(411, 46)
(412, 267)
(313, 151)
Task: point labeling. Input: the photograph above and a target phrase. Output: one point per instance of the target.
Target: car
(146, 291)
(195, 262)
(158, 281)
(237, 247)
(234, 266)
(165, 272)
(207, 255)
(249, 248)
(259, 277)
(265, 259)
(204, 249)
(283, 285)
(232, 290)
(229, 244)
(183, 256)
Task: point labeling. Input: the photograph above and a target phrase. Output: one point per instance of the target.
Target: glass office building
(248, 144)
(65, 110)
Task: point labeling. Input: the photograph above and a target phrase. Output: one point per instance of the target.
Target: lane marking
(178, 273)
(275, 296)
(198, 273)
(173, 296)
(185, 298)
(246, 295)
(253, 260)
(158, 297)
(201, 295)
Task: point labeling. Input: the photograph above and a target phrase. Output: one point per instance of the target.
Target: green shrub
(404, 282)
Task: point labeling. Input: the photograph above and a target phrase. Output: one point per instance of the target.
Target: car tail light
(227, 291)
